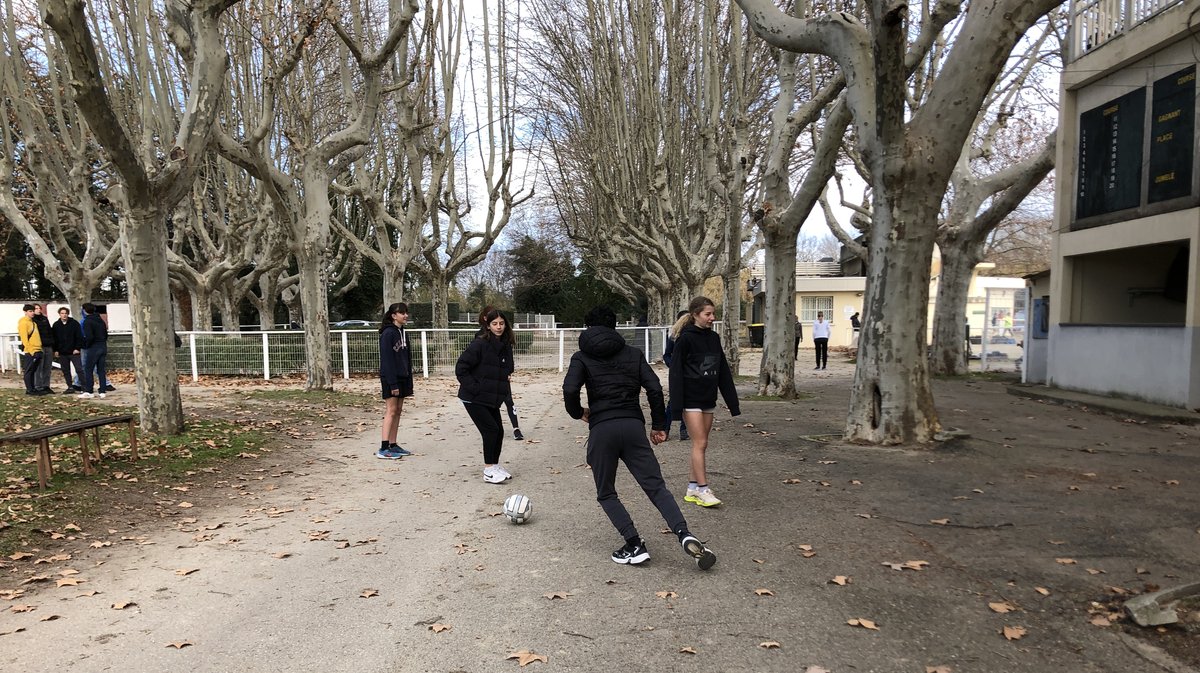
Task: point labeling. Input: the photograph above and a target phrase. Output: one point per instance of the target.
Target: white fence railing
(280, 353)
(1094, 22)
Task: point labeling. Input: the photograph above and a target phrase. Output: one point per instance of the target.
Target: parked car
(351, 324)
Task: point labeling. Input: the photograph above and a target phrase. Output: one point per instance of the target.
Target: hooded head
(601, 339)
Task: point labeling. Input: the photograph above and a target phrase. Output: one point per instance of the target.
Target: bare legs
(699, 424)
(391, 418)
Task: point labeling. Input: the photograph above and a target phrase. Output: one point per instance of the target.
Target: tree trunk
(947, 356)
(439, 289)
(777, 375)
(159, 405)
(201, 307)
(393, 283)
(891, 400)
(230, 311)
(314, 303)
(731, 322)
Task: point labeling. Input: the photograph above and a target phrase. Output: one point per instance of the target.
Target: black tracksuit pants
(624, 439)
(487, 419)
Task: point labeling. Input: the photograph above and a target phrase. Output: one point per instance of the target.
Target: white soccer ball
(518, 508)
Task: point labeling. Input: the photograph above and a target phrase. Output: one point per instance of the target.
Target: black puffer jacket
(698, 371)
(483, 370)
(614, 374)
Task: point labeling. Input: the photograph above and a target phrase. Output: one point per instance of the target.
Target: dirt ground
(831, 557)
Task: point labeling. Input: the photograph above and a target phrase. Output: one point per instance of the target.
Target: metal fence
(280, 353)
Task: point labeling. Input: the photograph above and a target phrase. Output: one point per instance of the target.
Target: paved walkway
(318, 557)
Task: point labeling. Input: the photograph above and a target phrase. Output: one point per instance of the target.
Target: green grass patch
(311, 397)
(32, 517)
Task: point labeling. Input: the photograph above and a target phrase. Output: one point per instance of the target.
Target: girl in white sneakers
(698, 371)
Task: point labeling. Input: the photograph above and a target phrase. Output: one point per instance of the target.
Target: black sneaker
(517, 435)
(632, 554)
(108, 388)
(71, 391)
(683, 435)
(705, 559)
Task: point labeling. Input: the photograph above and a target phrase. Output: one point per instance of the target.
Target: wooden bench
(42, 436)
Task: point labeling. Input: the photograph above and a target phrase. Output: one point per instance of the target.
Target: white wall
(1154, 364)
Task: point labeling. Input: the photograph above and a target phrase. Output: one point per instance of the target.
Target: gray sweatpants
(624, 439)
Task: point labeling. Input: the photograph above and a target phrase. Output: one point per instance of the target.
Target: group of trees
(241, 152)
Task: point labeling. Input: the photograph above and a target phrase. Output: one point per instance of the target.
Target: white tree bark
(910, 155)
(150, 187)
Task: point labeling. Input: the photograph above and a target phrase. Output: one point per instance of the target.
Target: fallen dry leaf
(122, 605)
(840, 580)
(184, 504)
(1065, 561)
(666, 594)
(183, 572)
(525, 657)
(69, 582)
(283, 554)
(1094, 571)
(50, 618)
(865, 623)
(1042, 590)
(687, 650)
(368, 593)
(179, 644)
(907, 565)
(763, 592)
(20, 555)
(938, 669)
(438, 627)
(940, 522)
(556, 594)
(793, 481)
(1101, 620)
(816, 669)
(23, 608)
(769, 645)
(1014, 632)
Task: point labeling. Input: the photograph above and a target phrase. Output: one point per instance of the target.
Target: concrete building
(1124, 285)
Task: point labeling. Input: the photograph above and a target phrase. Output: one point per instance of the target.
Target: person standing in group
(509, 404)
(668, 351)
(483, 370)
(32, 356)
(614, 375)
(698, 371)
(95, 351)
(855, 327)
(45, 330)
(799, 337)
(68, 344)
(395, 377)
(821, 331)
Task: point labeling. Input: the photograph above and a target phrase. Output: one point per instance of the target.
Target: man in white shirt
(820, 333)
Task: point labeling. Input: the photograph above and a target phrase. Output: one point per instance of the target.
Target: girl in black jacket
(482, 371)
(698, 371)
(395, 377)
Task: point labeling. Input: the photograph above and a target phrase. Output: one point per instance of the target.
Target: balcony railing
(1095, 22)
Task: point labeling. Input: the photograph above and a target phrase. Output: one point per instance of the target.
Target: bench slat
(64, 428)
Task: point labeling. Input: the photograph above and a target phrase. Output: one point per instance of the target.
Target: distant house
(836, 288)
(1124, 297)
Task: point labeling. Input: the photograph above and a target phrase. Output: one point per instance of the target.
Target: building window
(810, 305)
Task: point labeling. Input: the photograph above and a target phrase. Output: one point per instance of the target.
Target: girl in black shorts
(395, 377)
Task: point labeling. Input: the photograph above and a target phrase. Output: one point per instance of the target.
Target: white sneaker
(101, 396)
(85, 396)
(493, 476)
(704, 498)
(503, 472)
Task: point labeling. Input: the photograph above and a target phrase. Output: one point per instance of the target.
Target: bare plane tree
(910, 153)
(52, 194)
(153, 177)
(292, 140)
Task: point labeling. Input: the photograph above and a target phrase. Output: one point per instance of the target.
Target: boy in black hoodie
(614, 374)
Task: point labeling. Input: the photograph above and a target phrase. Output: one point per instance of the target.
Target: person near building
(821, 330)
(32, 356)
(614, 375)
(799, 337)
(68, 347)
(95, 352)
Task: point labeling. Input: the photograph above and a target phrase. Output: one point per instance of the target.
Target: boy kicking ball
(614, 375)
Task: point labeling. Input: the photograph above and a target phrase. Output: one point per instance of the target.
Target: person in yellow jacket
(31, 347)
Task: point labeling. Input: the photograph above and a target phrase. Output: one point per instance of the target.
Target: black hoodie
(614, 374)
(698, 370)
